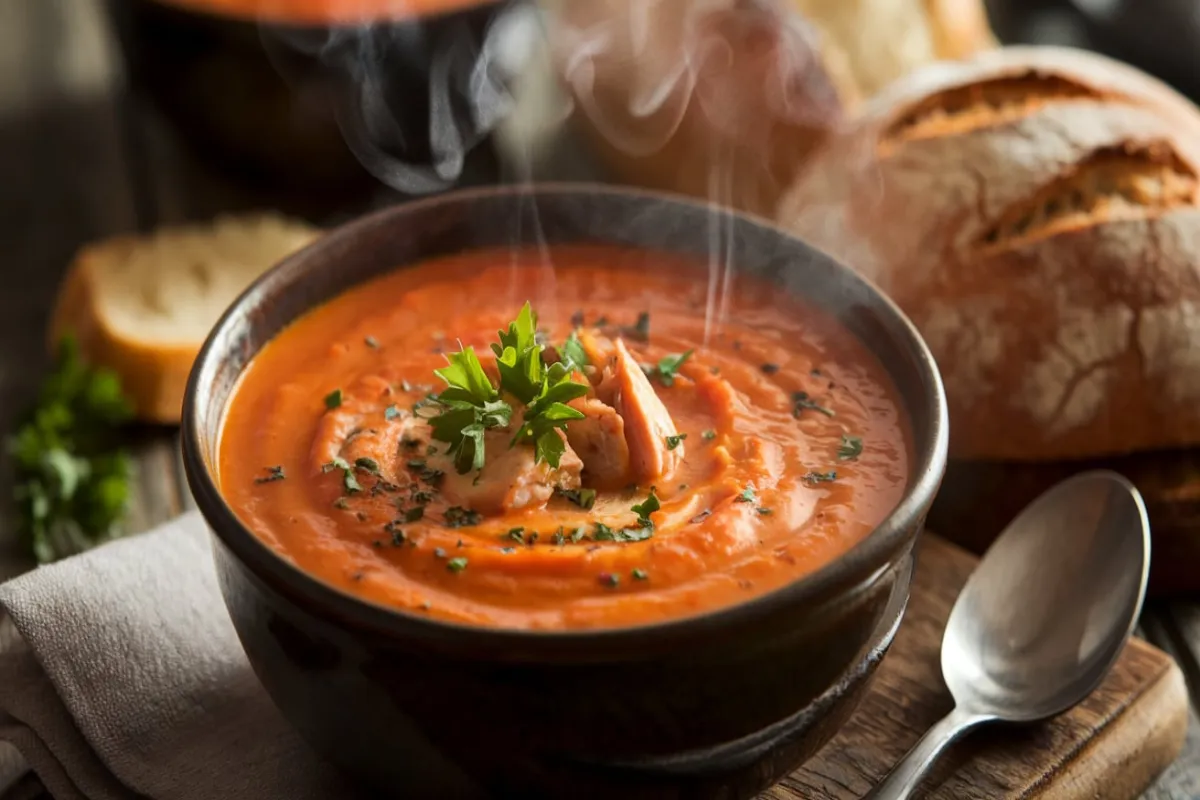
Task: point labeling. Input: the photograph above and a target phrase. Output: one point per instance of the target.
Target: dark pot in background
(262, 102)
(716, 705)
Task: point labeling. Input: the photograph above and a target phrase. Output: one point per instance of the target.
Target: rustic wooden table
(79, 159)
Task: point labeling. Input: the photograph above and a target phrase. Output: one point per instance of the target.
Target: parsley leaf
(675, 441)
(333, 399)
(71, 479)
(747, 496)
(572, 353)
(668, 366)
(820, 477)
(646, 508)
(548, 413)
(519, 357)
(470, 406)
(801, 402)
(584, 498)
(850, 448)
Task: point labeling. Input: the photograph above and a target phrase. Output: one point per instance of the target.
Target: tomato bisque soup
(325, 12)
(608, 468)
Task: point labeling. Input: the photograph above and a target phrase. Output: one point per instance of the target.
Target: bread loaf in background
(718, 99)
(1036, 212)
(143, 305)
(726, 99)
(881, 41)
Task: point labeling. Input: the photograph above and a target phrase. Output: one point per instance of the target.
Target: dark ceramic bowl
(270, 102)
(717, 705)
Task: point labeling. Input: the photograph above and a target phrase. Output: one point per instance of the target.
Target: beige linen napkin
(121, 677)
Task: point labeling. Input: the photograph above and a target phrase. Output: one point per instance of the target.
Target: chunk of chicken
(647, 421)
(509, 480)
(599, 440)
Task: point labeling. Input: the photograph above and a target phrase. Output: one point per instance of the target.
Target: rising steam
(711, 88)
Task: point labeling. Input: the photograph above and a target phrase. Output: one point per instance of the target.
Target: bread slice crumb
(143, 305)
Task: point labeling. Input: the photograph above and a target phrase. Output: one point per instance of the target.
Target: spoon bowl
(1043, 617)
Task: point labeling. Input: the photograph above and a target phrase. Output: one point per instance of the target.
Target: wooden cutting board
(1112, 746)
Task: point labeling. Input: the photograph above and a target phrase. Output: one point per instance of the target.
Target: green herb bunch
(71, 479)
(472, 404)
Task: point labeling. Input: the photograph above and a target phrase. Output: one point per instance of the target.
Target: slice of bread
(143, 305)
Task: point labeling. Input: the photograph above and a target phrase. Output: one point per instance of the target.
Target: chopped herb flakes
(517, 535)
(457, 564)
(668, 367)
(639, 574)
(747, 496)
(350, 482)
(645, 509)
(850, 448)
(369, 465)
(273, 474)
(769, 368)
(709, 435)
(341, 504)
(390, 413)
(333, 399)
(459, 517)
(641, 329)
(801, 402)
(703, 515)
(675, 441)
(820, 477)
(414, 514)
(578, 535)
(766, 512)
(584, 498)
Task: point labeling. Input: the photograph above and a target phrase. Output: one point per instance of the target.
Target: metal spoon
(1043, 617)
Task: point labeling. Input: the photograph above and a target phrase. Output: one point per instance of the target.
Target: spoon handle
(907, 774)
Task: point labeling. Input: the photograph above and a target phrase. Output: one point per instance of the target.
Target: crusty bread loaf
(143, 306)
(718, 99)
(883, 40)
(1036, 212)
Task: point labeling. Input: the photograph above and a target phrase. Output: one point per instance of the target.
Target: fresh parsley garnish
(517, 535)
(333, 399)
(850, 448)
(368, 465)
(519, 357)
(675, 441)
(415, 513)
(273, 474)
(584, 498)
(349, 482)
(390, 413)
(548, 413)
(764, 511)
(668, 367)
(457, 564)
(747, 496)
(820, 477)
(639, 574)
(645, 508)
(471, 406)
(709, 435)
(801, 402)
(459, 517)
(641, 329)
(572, 353)
(71, 478)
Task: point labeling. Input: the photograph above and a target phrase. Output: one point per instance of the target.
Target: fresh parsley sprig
(471, 405)
(548, 413)
(71, 477)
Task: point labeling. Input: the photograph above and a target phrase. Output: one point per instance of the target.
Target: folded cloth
(121, 677)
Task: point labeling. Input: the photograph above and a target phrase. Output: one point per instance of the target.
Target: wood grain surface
(1113, 745)
(81, 159)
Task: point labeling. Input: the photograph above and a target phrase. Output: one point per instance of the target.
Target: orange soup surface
(320, 12)
(705, 462)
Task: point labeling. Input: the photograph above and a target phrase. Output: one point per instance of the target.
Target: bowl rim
(858, 566)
